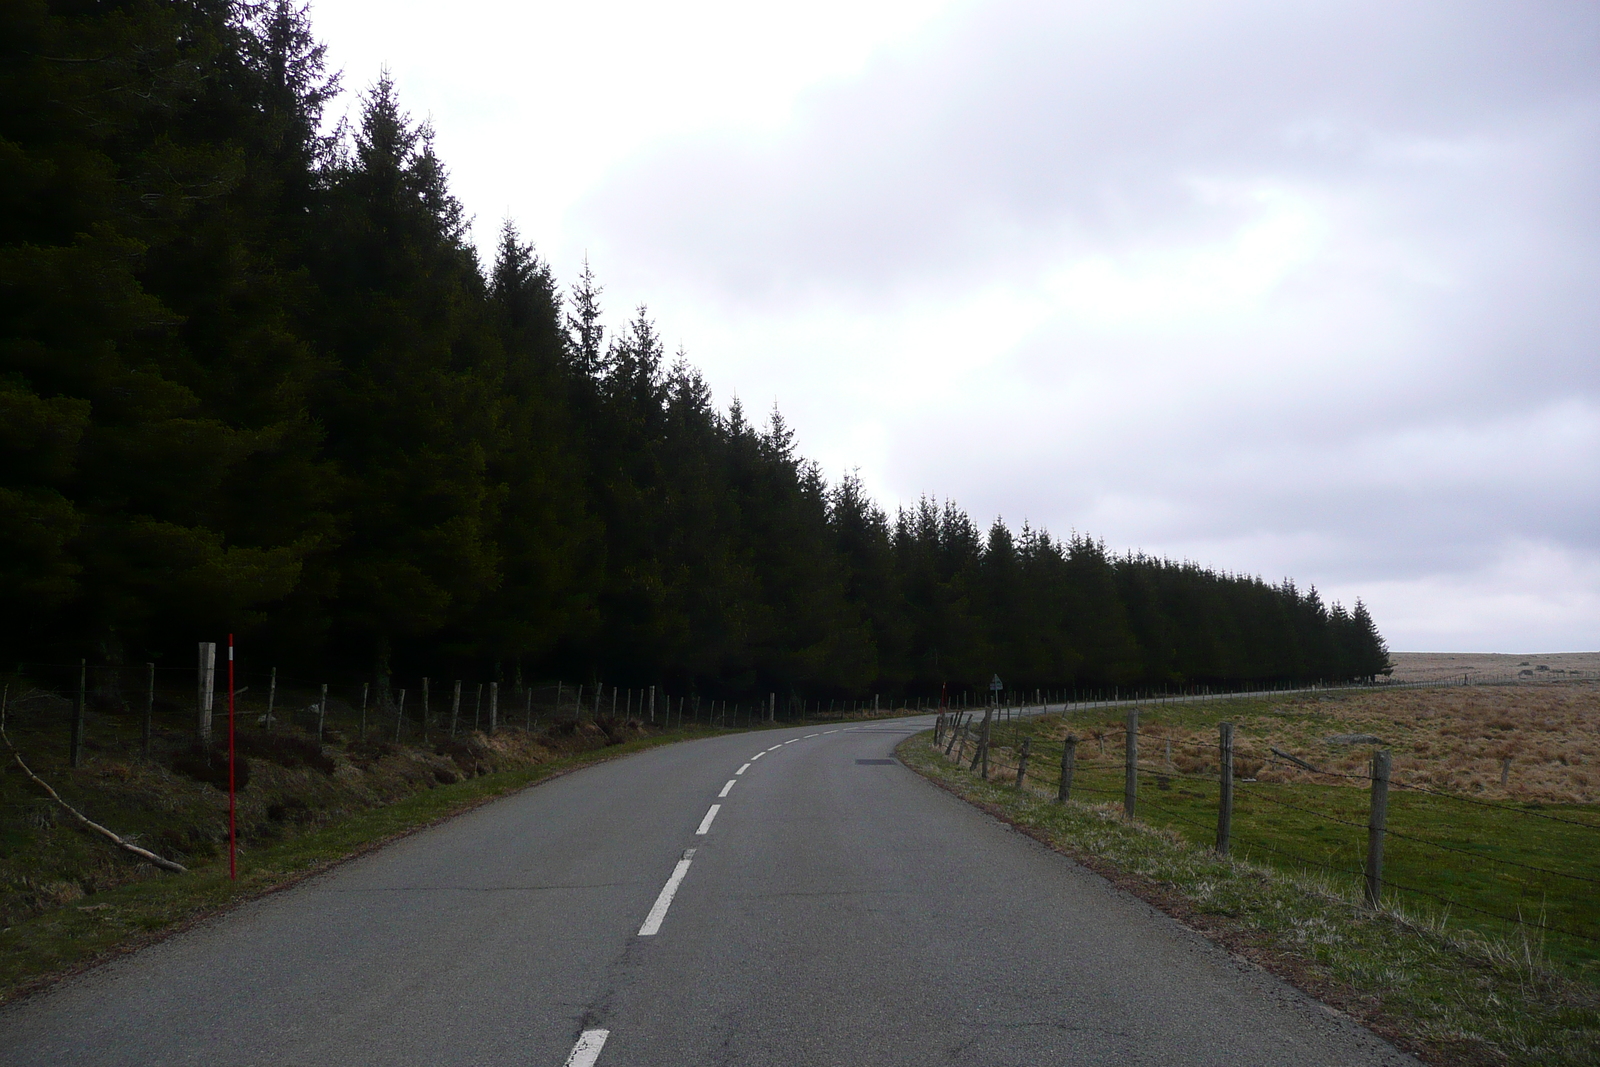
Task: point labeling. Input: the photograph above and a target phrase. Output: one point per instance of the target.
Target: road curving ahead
(785, 898)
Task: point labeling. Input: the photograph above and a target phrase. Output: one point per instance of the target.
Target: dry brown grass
(1451, 666)
(1451, 738)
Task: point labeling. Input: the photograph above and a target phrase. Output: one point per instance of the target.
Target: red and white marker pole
(233, 840)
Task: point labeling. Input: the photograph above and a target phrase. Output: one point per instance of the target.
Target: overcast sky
(1292, 289)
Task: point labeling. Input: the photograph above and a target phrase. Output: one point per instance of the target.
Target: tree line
(255, 379)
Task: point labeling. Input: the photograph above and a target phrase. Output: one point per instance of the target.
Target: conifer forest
(254, 378)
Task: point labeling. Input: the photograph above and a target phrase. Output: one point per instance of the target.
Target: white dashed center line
(658, 911)
(587, 1050)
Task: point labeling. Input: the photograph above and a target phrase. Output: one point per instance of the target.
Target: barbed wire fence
(976, 740)
(421, 711)
(182, 705)
(178, 705)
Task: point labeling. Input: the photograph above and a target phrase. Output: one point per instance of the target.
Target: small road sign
(996, 685)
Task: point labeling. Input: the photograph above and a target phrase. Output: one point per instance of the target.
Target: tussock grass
(1448, 995)
(1452, 737)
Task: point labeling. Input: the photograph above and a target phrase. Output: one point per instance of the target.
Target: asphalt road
(837, 909)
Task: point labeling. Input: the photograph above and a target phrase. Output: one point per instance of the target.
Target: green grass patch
(1484, 866)
(1450, 994)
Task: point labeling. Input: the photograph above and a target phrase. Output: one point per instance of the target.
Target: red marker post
(233, 840)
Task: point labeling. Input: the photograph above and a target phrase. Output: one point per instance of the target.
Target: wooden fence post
(527, 712)
(983, 745)
(1069, 763)
(149, 710)
(322, 712)
(1130, 784)
(399, 716)
(423, 718)
(1225, 806)
(366, 691)
(1022, 761)
(652, 705)
(77, 714)
(955, 729)
(272, 695)
(1376, 818)
(205, 688)
(455, 708)
(1505, 772)
(494, 705)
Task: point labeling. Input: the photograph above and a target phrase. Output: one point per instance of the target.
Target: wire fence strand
(1163, 811)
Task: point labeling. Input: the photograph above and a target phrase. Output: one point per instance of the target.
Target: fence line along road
(953, 733)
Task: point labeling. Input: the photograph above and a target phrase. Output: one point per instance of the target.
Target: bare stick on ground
(143, 853)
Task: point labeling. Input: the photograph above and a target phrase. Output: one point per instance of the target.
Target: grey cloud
(1029, 126)
(1422, 394)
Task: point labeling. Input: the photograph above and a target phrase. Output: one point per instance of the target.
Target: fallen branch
(143, 853)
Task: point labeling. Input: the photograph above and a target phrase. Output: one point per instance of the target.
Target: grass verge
(60, 941)
(1447, 996)
(1489, 860)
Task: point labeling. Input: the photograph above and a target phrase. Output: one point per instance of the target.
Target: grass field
(1524, 854)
